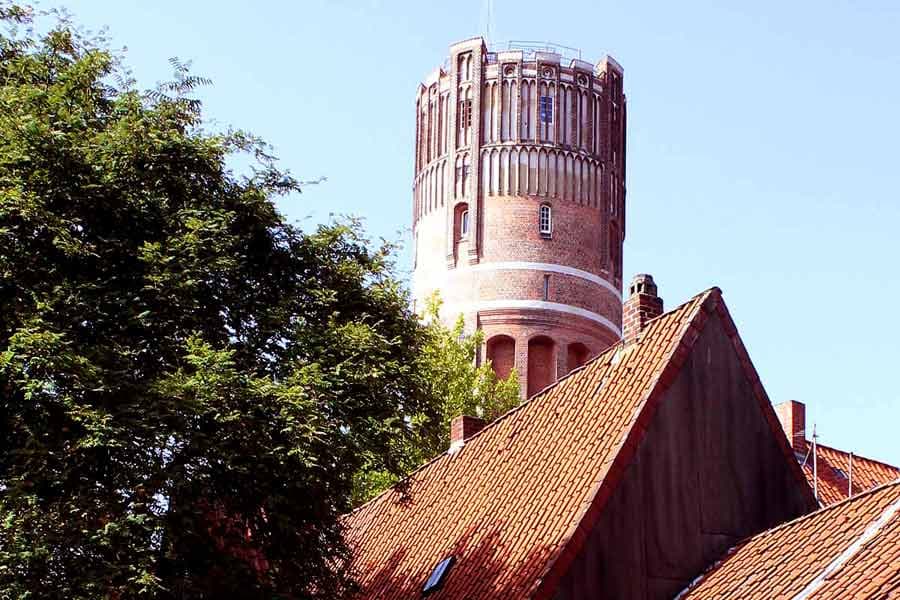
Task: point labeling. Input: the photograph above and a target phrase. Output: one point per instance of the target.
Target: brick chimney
(642, 305)
(792, 415)
(462, 428)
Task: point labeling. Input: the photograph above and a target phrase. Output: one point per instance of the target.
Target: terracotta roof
(833, 468)
(845, 551)
(516, 502)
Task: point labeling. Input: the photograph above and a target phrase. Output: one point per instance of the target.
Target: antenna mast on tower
(489, 19)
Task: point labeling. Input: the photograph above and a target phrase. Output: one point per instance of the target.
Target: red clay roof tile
(833, 468)
(849, 550)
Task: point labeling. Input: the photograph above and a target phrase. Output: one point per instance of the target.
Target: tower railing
(530, 48)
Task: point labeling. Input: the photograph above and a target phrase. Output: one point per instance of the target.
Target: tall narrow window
(546, 290)
(460, 227)
(465, 113)
(545, 220)
(464, 118)
(465, 174)
(546, 109)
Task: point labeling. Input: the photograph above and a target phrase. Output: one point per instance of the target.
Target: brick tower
(519, 203)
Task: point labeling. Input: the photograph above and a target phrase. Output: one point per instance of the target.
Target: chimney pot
(463, 427)
(642, 304)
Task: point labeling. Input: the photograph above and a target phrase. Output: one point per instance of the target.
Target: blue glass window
(437, 576)
(546, 109)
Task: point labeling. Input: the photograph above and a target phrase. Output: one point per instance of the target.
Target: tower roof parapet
(525, 51)
(531, 49)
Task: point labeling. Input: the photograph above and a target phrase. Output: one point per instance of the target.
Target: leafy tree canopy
(459, 384)
(187, 382)
(192, 389)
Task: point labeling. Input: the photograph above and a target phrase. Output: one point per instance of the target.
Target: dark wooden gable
(709, 471)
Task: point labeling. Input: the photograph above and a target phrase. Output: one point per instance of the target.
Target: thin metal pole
(850, 478)
(815, 466)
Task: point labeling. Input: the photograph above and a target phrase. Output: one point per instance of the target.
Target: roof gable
(516, 503)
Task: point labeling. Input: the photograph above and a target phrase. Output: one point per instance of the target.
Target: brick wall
(506, 276)
(642, 305)
(501, 351)
(792, 415)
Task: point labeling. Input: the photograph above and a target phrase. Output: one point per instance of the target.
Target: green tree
(447, 362)
(453, 375)
(188, 383)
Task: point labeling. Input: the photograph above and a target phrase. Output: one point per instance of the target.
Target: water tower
(519, 202)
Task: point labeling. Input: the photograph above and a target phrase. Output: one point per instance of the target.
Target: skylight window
(436, 580)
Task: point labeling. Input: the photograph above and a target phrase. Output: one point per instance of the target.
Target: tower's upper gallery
(520, 93)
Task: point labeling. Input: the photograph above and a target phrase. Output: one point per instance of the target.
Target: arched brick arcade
(578, 354)
(541, 363)
(501, 351)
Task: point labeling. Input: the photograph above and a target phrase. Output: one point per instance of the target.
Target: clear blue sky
(762, 150)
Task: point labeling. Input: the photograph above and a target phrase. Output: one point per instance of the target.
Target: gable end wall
(708, 473)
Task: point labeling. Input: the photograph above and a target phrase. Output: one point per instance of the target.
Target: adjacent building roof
(514, 504)
(834, 471)
(850, 549)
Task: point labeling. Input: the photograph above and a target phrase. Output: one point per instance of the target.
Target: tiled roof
(833, 468)
(515, 503)
(849, 550)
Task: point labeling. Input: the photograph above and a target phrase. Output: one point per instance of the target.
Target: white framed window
(464, 224)
(545, 220)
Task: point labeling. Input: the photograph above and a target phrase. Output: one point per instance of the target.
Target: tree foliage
(453, 375)
(188, 383)
(461, 386)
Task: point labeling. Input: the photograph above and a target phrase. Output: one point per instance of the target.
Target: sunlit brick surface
(499, 135)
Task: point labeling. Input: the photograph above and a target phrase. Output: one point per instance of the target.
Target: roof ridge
(859, 456)
(488, 426)
(553, 566)
(871, 531)
(708, 291)
(611, 350)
